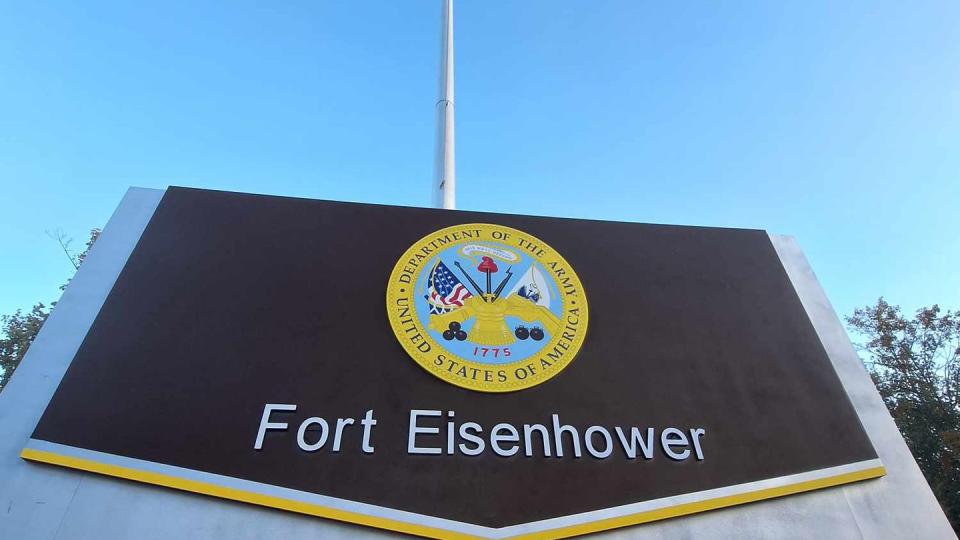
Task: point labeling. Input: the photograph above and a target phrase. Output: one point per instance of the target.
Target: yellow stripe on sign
(237, 494)
(206, 488)
(709, 504)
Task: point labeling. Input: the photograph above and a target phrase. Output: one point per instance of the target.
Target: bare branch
(64, 241)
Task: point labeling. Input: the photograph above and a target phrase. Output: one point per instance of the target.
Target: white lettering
(496, 437)
(302, 432)
(608, 442)
(672, 437)
(266, 424)
(415, 430)
(367, 422)
(630, 449)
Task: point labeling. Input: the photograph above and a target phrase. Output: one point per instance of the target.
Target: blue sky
(836, 122)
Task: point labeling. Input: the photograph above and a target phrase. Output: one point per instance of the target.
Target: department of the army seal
(487, 307)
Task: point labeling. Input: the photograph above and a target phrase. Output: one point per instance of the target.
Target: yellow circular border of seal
(432, 356)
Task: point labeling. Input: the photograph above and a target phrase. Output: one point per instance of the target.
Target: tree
(18, 331)
(914, 362)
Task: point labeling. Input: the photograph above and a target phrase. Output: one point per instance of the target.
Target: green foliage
(18, 331)
(915, 363)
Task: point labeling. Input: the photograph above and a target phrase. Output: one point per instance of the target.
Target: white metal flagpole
(445, 181)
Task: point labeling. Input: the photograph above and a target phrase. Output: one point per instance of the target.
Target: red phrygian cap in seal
(487, 265)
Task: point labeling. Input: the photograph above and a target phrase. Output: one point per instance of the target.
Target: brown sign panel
(245, 352)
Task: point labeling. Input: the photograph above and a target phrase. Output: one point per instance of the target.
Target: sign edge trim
(863, 470)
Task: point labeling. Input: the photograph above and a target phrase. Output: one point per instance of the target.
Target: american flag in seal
(445, 292)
